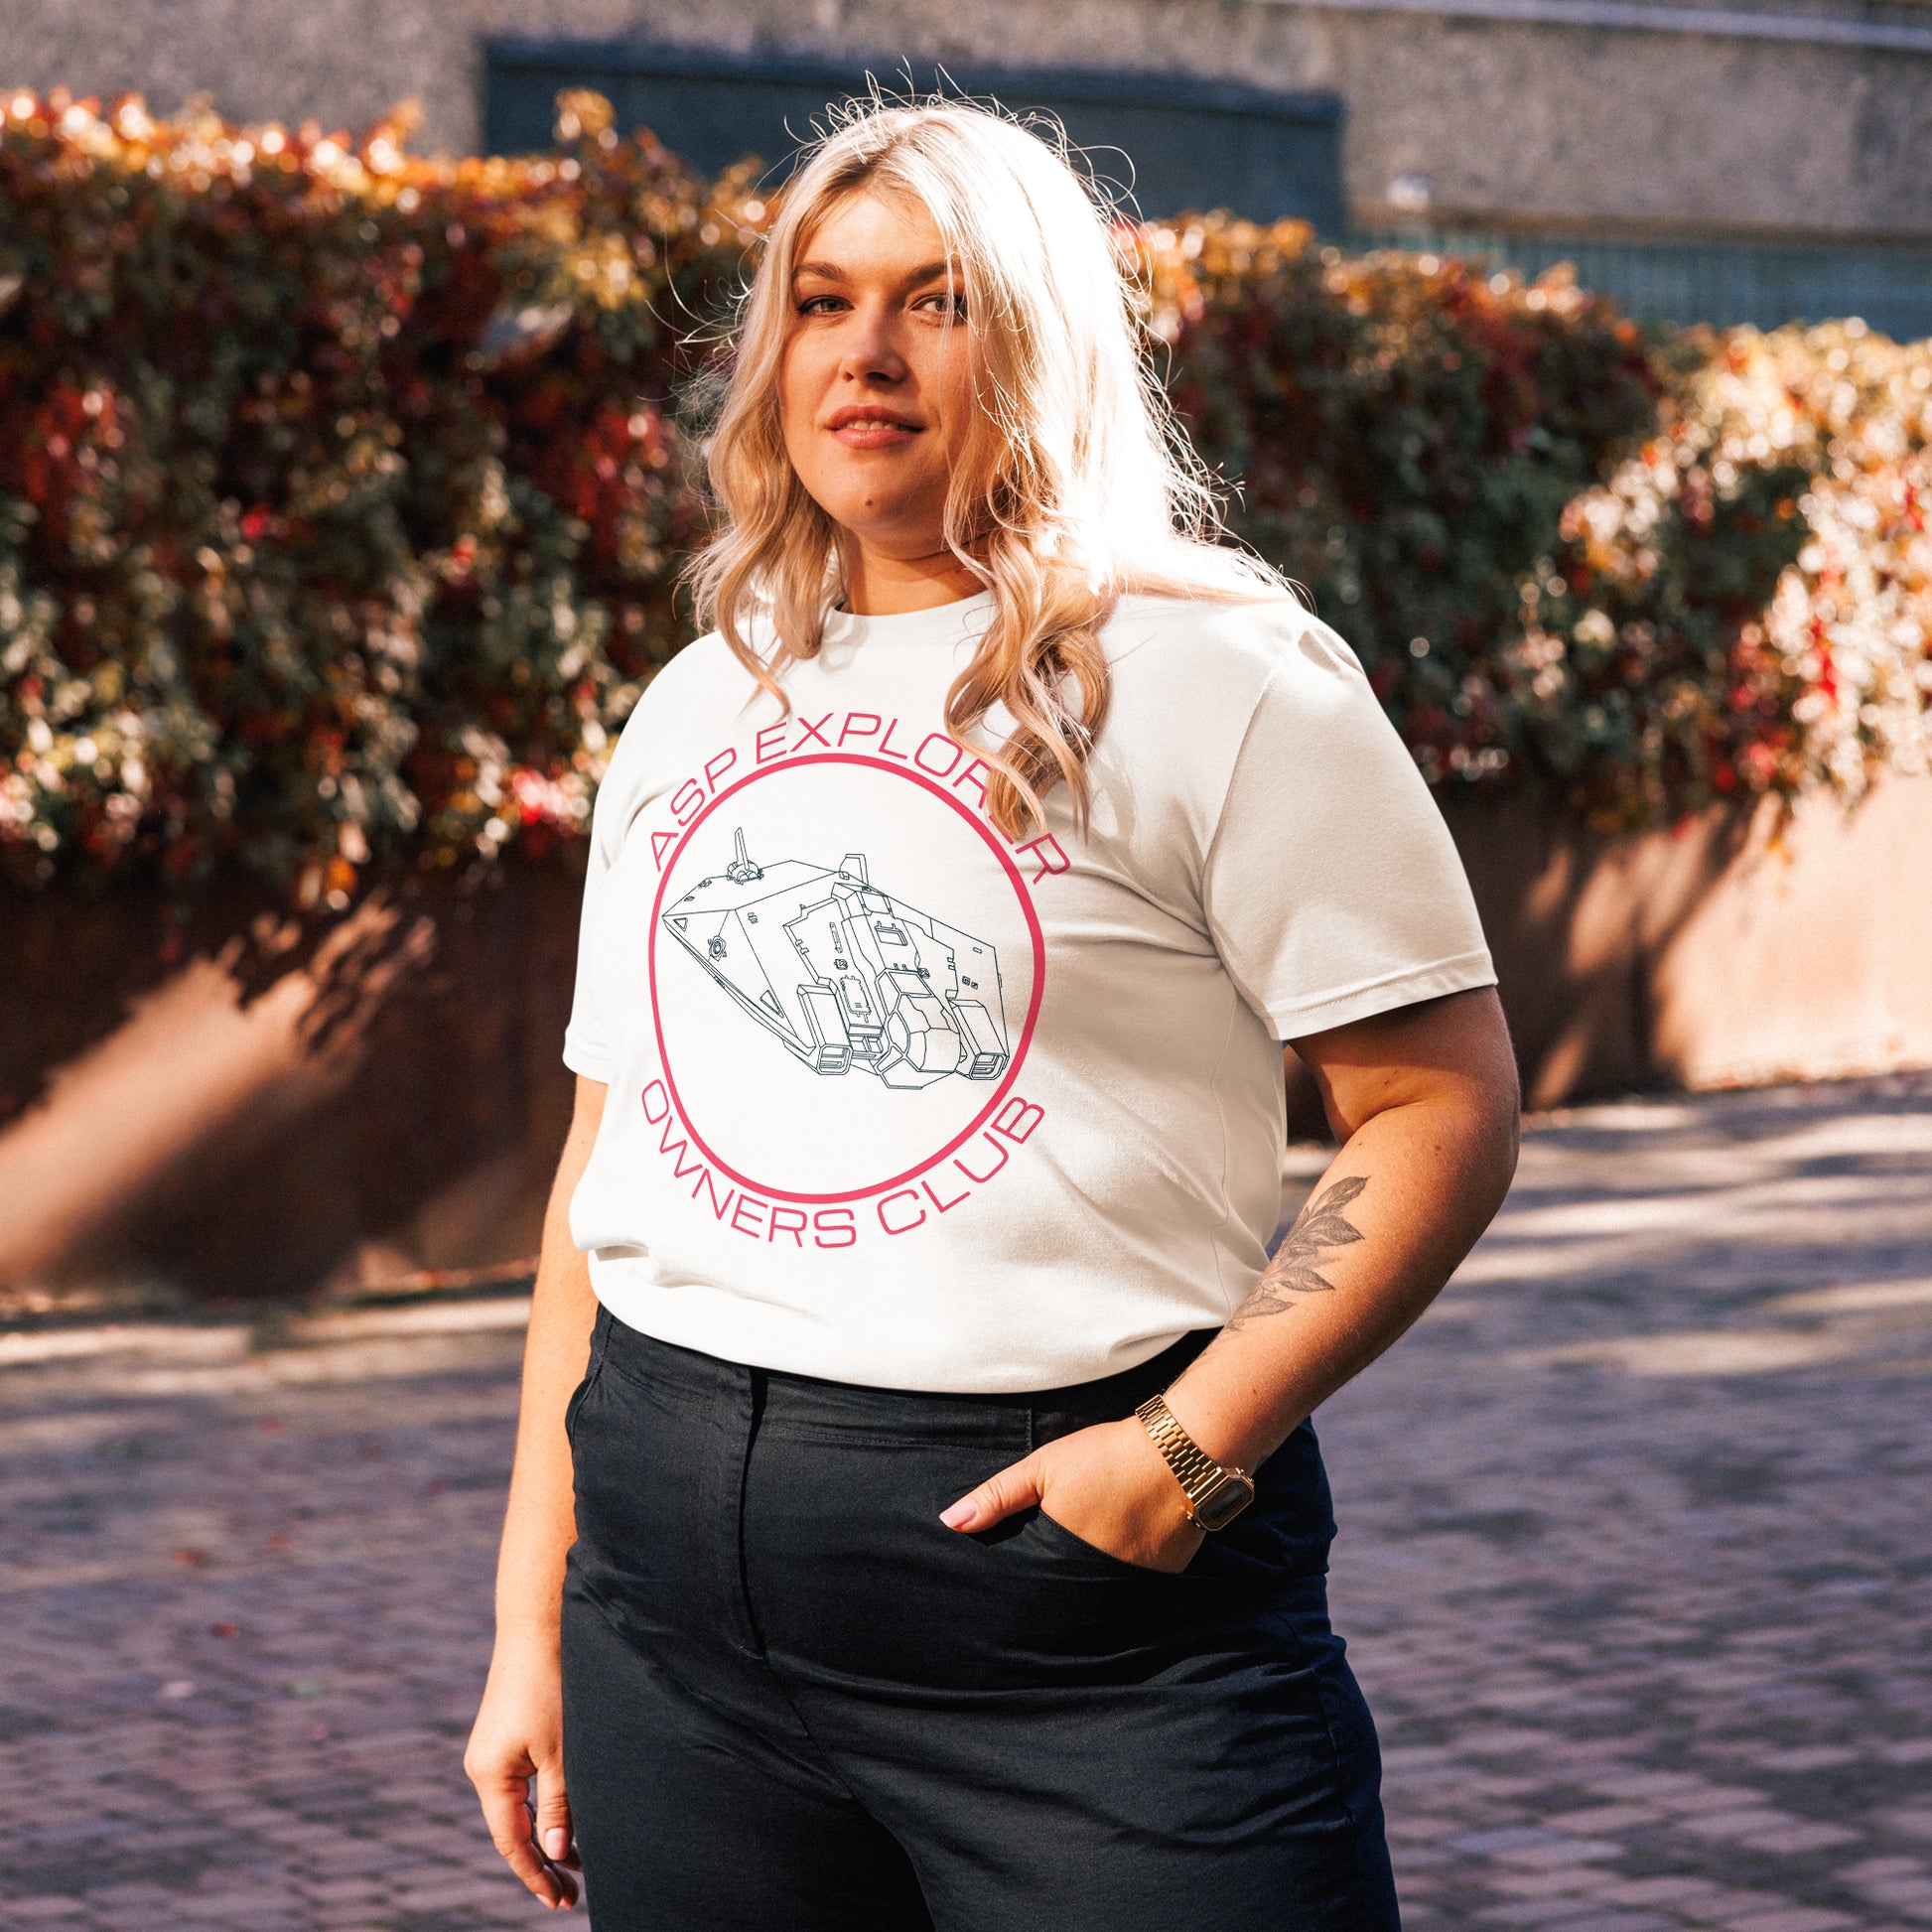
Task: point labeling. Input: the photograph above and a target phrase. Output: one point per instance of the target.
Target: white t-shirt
(897, 1100)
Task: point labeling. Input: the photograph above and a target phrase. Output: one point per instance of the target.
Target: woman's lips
(873, 432)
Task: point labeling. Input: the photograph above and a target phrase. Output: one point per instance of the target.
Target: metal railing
(1886, 285)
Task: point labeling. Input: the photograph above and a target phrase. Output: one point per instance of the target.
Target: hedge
(343, 494)
(1636, 573)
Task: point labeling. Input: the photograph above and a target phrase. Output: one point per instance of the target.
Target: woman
(948, 1530)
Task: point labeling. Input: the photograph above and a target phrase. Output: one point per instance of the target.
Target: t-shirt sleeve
(1330, 885)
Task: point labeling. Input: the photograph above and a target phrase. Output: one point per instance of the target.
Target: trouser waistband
(805, 1401)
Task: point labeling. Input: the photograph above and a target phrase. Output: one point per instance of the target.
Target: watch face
(1224, 1502)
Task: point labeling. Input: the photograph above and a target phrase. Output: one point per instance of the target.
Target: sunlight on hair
(1077, 486)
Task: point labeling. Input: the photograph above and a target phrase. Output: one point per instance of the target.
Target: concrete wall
(252, 1121)
(257, 1121)
(1730, 952)
(1555, 127)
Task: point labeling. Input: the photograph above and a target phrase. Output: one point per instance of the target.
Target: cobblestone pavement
(1636, 1550)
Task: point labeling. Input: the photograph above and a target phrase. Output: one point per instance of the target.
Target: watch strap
(1193, 1469)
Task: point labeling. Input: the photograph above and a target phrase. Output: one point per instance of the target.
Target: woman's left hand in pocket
(1107, 1484)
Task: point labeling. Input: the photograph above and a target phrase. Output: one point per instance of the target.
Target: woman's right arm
(518, 1734)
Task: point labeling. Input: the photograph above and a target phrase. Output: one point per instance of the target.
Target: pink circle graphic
(1026, 1032)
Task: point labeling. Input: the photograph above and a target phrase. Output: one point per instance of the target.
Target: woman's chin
(891, 539)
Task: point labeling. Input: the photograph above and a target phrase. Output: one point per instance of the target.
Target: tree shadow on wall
(262, 1096)
(1578, 923)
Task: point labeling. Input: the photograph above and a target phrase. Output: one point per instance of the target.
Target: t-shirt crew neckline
(944, 623)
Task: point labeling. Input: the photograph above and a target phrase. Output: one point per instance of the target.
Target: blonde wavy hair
(1075, 485)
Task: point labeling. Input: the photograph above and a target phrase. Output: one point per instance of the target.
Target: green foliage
(1406, 439)
(342, 495)
(340, 504)
(1638, 572)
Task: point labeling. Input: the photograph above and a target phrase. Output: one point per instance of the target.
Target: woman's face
(875, 386)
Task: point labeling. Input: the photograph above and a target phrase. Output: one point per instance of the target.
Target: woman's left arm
(1425, 1102)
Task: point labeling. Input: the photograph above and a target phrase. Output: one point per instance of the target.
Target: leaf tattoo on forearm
(1320, 1228)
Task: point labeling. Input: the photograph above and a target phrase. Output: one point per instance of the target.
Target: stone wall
(1517, 124)
(256, 1121)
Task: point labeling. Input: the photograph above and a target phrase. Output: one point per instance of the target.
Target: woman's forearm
(1426, 1099)
(539, 1524)
(1429, 1157)
(515, 1753)
(1385, 1227)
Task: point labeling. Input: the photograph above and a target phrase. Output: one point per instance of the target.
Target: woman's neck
(879, 586)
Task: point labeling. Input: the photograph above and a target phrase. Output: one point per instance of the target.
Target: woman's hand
(1107, 1484)
(516, 1740)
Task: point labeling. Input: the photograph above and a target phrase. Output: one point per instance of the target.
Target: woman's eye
(817, 305)
(952, 307)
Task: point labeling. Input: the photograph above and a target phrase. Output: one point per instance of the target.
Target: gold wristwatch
(1215, 1494)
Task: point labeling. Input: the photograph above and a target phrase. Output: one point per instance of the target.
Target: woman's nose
(871, 353)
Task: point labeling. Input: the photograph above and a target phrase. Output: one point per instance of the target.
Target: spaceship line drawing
(844, 975)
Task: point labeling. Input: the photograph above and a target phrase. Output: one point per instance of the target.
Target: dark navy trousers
(793, 1699)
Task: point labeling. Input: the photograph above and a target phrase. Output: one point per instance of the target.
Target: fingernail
(958, 1516)
(555, 1842)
